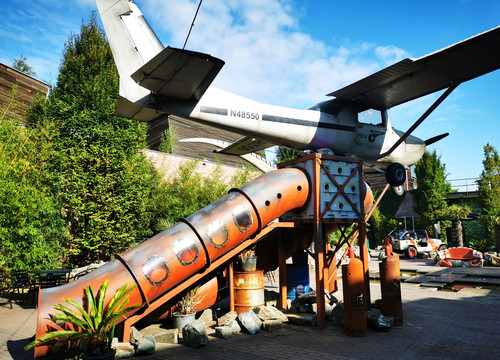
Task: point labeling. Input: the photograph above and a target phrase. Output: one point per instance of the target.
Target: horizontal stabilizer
(258, 161)
(246, 145)
(412, 78)
(128, 109)
(179, 74)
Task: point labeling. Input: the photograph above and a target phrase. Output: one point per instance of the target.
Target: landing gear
(395, 174)
(398, 190)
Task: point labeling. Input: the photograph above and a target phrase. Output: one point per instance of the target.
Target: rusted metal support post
(363, 248)
(320, 270)
(282, 303)
(230, 274)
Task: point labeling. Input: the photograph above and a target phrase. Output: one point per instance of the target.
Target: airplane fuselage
(300, 129)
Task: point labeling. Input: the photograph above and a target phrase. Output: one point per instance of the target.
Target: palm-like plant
(94, 325)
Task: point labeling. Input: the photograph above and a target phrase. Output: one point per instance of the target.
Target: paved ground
(437, 325)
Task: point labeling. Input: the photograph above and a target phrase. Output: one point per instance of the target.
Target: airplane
(156, 81)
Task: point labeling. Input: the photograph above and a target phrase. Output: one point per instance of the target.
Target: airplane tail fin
(133, 43)
(146, 67)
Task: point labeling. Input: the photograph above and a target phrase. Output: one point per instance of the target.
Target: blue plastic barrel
(297, 280)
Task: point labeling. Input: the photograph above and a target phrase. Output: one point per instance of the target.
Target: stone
(328, 309)
(302, 319)
(269, 313)
(167, 336)
(206, 316)
(375, 320)
(114, 342)
(337, 314)
(250, 322)
(231, 315)
(124, 350)
(386, 320)
(235, 327)
(195, 334)
(147, 346)
(271, 325)
(271, 297)
(161, 334)
(223, 332)
(135, 336)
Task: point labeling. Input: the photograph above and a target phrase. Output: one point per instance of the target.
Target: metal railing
(464, 185)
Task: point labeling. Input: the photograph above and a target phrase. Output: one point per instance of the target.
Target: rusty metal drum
(248, 290)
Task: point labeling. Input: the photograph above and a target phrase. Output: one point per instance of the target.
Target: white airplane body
(157, 81)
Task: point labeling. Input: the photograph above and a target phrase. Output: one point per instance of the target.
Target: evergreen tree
(489, 191)
(104, 183)
(284, 154)
(21, 65)
(432, 189)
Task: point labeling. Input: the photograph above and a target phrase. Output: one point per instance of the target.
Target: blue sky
(292, 53)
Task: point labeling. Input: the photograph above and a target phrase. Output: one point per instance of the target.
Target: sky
(294, 52)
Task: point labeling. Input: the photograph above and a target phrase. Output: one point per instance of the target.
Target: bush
(31, 225)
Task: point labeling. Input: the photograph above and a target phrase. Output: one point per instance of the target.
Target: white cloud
(268, 57)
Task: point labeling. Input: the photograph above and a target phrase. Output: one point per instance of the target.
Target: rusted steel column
(363, 247)
(230, 274)
(282, 304)
(320, 271)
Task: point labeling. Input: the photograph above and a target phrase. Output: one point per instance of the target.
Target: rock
(302, 319)
(147, 346)
(167, 336)
(272, 325)
(135, 336)
(271, 297)
(328, 309)
(161, 335)
(375, 320)
(206, 316)
(114, 342)
(250, 322)
(124, 350)
(386, 320)
(235, 327)
(232, 315)
(223, 332)
(269, 313)
(337, 314)
(195, 334)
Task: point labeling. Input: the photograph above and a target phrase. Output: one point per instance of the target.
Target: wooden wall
(24, 95)
(184, 129)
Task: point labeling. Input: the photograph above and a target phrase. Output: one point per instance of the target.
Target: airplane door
(371, 129)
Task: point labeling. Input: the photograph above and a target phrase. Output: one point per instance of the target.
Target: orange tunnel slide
(189, 246)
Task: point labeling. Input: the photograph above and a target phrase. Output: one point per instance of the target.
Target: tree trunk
(497, 237)
(458, 231)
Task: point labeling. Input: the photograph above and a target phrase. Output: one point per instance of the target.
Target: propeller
(434, 139)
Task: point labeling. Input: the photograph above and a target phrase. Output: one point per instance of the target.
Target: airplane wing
(179, 74)
(254, 159)
(412, 78)
(245, 145)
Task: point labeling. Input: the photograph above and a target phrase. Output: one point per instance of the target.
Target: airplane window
(371, 117)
